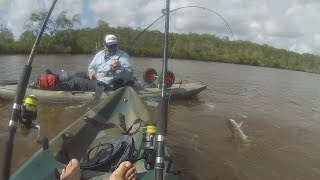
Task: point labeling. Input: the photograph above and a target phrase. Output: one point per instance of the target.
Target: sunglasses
(113, 46)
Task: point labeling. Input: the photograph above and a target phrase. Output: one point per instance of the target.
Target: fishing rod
(163, 105)
(156, 20)
(21, 91)
(176, 9)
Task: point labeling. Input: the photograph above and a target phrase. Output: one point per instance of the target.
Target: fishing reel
(149, 146)
(28, 114)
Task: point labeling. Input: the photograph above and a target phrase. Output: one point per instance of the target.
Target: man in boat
(111, 68)
(125, 171)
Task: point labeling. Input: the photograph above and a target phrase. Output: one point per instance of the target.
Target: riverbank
(193, 46)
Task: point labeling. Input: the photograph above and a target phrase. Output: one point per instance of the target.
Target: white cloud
(3, 4)
(18, 11)
(124, 13)
(289, 24)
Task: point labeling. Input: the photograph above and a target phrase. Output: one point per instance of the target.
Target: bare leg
(72, 171)
(125, 171)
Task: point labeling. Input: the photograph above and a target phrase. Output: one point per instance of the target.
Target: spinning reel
(29, 112)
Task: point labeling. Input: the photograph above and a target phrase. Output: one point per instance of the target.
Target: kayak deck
(99, 125)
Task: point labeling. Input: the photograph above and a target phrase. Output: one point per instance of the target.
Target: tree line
(61, 37)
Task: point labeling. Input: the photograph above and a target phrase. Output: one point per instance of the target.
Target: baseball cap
(110, 40)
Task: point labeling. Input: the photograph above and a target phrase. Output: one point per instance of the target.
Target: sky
(288, 24)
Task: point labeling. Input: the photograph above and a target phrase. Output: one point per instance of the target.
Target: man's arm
(125, 71)
(92, 69)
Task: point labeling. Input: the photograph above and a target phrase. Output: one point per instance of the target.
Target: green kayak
(176, 91)
(123, 112)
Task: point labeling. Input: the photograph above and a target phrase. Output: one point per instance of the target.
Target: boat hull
(177, 91)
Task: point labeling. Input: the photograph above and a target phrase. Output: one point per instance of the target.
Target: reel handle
(40, 140)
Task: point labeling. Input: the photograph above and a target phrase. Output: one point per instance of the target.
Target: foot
(125, 171)
(72, 171)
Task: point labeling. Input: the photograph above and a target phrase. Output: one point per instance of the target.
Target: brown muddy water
(280, 110)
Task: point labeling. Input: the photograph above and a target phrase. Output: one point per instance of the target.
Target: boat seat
(103, 136)
(104, 133)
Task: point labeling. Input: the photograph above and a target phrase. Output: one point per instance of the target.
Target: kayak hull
(177, 91)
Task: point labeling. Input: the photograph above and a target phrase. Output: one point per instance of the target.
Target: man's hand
(93, 77)
(92, 74)
(115, 64)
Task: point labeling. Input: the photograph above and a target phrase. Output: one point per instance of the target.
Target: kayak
(176, 91)
(123, 112)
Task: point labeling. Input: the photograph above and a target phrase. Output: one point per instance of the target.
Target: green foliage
(6, 40)
(63, 38)
(27, 36)
(5, 34)
(35, 22)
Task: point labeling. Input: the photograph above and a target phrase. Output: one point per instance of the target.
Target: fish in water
(235, 130)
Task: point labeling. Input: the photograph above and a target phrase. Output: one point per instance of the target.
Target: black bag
(110, 155)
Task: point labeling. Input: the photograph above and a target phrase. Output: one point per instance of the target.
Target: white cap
(110, 40)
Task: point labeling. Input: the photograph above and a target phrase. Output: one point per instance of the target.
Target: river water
(280, 111)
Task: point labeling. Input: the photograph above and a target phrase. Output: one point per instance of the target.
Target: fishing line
(203, 8)
(44, 60)
(198, 7)
(173, 10)
(210, 10)
(174, 63)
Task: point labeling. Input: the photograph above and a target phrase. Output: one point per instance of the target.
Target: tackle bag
(49, 81)
(110, 155)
